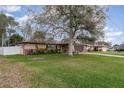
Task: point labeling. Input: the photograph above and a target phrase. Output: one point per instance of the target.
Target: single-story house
(28, 48)
(55, 46)
(34, 47)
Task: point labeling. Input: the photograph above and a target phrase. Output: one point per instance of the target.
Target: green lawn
(58, 70)
(111, 53)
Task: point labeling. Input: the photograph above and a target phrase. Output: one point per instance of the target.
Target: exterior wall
(10, 50)
(34, 46)
(85, 49)
(29, 46)
(42, 46)
(28, 49)
(104, 49)
(88, 48)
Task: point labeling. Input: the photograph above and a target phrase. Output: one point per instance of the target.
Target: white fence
(10, 50)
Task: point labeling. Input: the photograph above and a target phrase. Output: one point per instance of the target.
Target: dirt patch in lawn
(2, 62)
(14, 75)
(38, 59)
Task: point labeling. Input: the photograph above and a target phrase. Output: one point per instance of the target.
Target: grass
(111, 53)
(79, 71)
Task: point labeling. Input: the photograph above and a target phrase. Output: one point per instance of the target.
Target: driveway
(119, 56)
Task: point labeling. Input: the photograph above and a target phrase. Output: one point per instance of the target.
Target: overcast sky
(114, 30)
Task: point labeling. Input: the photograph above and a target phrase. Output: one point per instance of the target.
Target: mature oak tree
(72, 20)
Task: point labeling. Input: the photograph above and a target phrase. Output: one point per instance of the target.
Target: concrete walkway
(103, 54)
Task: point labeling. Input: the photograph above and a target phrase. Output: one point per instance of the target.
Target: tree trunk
(71, 47)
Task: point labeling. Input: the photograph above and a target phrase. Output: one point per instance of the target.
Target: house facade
(34, 47)
(58, 47)
(90, 48)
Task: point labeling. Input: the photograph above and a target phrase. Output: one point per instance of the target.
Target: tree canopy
(39, 36)
(72, 21)
(7, 25)
(15, 38)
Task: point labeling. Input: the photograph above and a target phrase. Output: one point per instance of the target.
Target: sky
(115, 25)
(114, 29)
